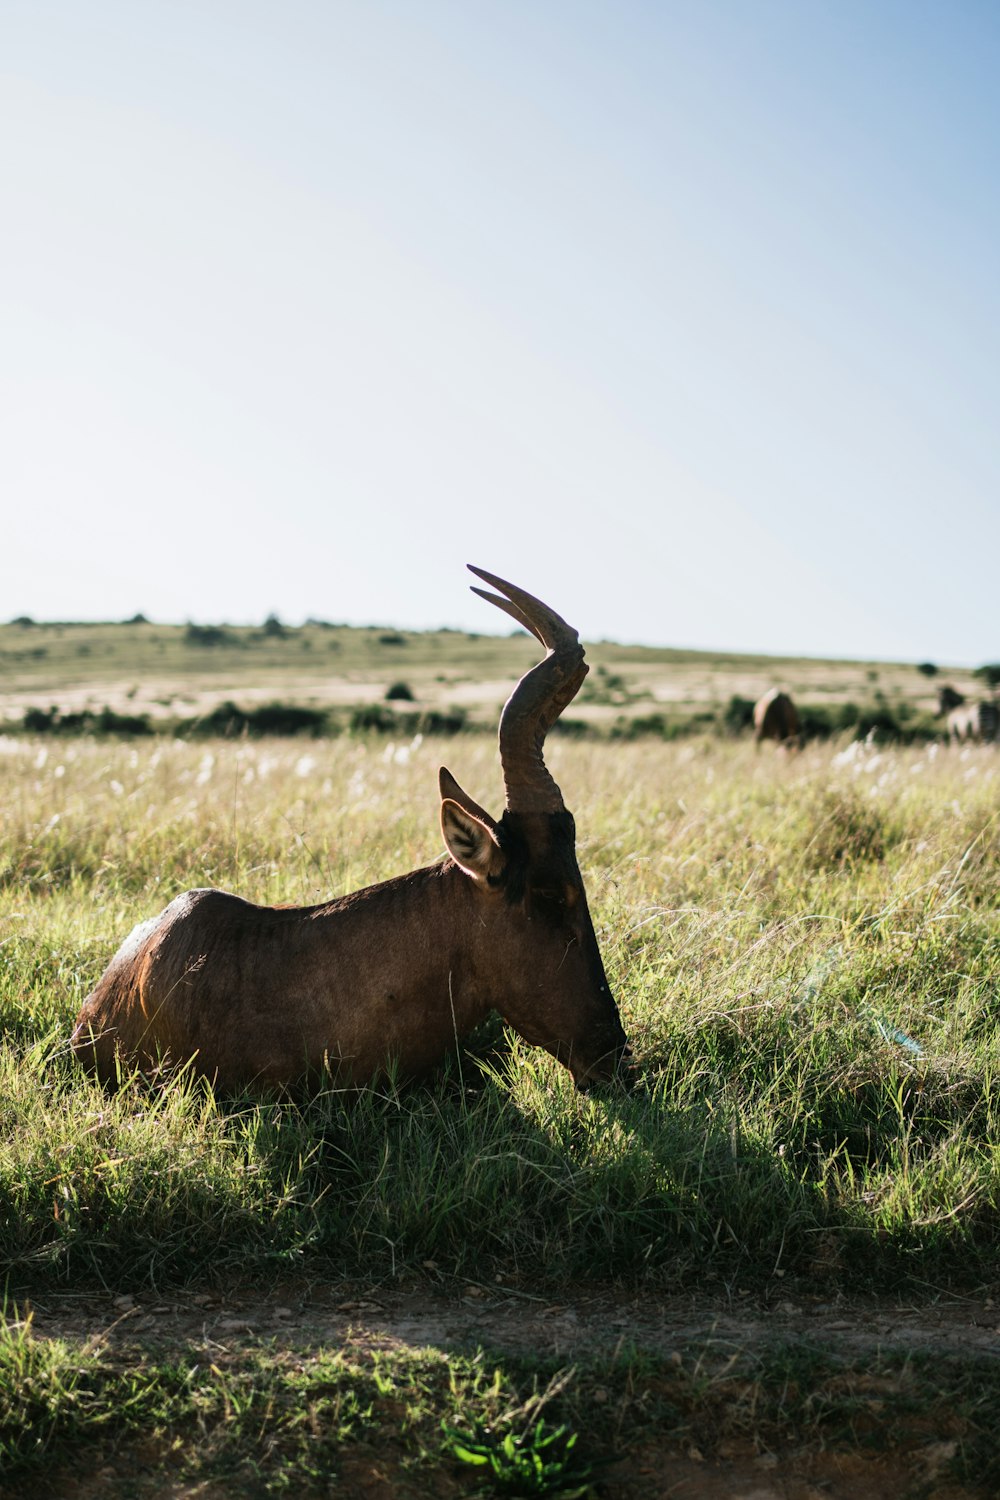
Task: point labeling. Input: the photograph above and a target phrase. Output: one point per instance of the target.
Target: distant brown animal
(390, 978)
(775, 717)
(977, 723)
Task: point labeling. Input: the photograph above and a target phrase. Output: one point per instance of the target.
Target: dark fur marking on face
(514, 848)
(552, 872)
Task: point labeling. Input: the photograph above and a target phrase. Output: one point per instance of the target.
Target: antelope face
(563, 1001)
(545, 967)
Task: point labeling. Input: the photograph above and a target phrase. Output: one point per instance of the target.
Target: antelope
(969, 721)
(387, 980)
(775, 717)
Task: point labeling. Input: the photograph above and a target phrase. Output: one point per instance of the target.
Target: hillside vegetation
(321, 678)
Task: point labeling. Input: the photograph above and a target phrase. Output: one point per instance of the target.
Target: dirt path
(512, 1321)
(507, 1320)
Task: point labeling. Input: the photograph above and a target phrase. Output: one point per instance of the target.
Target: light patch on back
(130, 947)
(180, 906)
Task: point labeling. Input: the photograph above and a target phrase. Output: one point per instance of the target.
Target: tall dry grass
(806, 951)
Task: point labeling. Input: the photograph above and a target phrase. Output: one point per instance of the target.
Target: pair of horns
(537, 700)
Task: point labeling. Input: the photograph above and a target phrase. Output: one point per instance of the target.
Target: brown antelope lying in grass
(388, 978)
(775, 717)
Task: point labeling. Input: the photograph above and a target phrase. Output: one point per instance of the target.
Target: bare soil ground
(507, 1322)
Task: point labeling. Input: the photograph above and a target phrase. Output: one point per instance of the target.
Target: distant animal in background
(775, 717)
(969, 723)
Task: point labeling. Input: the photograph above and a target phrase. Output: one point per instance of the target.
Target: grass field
(806, 953)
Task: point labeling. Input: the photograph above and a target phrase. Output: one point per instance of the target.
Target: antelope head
(547, 969)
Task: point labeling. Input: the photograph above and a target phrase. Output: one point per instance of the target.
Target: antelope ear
(450, 788)
(471, 843)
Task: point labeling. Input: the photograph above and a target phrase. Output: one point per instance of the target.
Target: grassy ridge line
(49, 650)
(158, 676)
(278, 1418)
(806, 954)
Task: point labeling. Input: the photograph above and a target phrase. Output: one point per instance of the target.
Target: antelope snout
(615, 1069)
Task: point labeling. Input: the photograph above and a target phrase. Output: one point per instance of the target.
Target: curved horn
(539, 698)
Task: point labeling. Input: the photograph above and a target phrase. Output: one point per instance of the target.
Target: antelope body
(976, 722)
(775, 717)
(392, 976)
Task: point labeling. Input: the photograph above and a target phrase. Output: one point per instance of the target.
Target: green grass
(806, 955)
(806, 952)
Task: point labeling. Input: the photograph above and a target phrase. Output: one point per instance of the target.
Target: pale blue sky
(684, 316)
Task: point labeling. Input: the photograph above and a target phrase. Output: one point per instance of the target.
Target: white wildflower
(848, 755)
